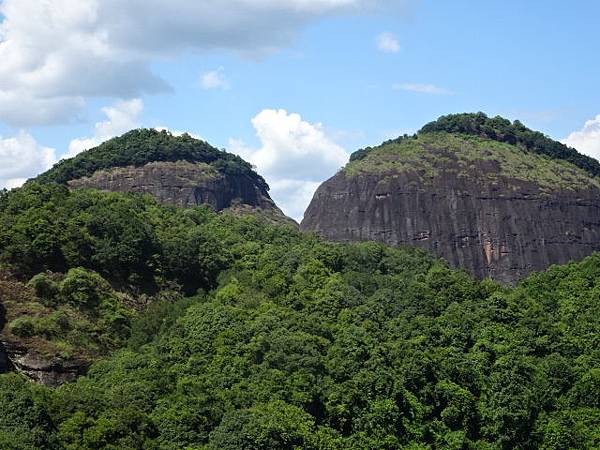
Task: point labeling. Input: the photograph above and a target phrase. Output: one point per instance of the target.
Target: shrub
(44, 286)
(83, 288)
(23, 327)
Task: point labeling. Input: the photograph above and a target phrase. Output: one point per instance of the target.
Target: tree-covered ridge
(139, 147)
(129, 239)
(267, 338)
(433, 154)
(502, 130)
(514, 133)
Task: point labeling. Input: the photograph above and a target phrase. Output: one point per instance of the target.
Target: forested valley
(209, 331)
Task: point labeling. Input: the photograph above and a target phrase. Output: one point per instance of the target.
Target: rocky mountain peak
(177, 170)
(486, 194)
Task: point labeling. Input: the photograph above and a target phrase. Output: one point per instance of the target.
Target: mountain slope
(497, 209)
(177, 170)
(209, 331)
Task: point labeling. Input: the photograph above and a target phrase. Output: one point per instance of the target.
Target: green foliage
(255, 336)
(23, 327)
(25, 423)
(434, 154)
(158, 317)
(514, 133)
(496, 129)
(44, 286)
(77, 314)
(83, 289)
(139, 147)
(129, 240)
(274, 425)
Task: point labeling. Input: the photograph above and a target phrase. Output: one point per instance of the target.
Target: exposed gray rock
(184, 184)
(49, 372)
(5, 365)
(477, 218)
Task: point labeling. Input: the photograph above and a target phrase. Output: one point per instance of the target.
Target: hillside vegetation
(234, 334)
(501, 130)
(139, 147)
(435, 152)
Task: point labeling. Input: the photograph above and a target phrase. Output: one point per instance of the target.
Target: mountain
(488, 195)
(183, 328)
(153, 327)
(48, 334)
(177, 170)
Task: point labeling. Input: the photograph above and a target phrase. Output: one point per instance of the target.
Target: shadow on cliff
(2, 317)
(5, 364)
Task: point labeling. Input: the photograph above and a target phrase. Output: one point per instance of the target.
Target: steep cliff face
(49, 371)
(177, 170)
(34, 357)
(490, 207)
(185, 184)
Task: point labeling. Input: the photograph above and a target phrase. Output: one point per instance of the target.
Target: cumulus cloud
(122, 117)
(18, 107)
(388, 43)
(422, 88)
(293, 196)
(295, 156)
(57, 53)
(215, 79)
(586, 140)
(180, 133)
(21, 157)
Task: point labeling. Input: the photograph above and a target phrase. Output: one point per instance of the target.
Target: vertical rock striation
(178, 170)
(180, 183)
(489, 207)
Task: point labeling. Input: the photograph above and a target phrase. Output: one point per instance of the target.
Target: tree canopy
(502, 130)
(139, 147)
(515, 133)
(236, 334)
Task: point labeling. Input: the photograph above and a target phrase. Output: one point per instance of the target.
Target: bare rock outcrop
(178, 170)
(29, 355)
(50, 372)
(491, 208)
(187, 184)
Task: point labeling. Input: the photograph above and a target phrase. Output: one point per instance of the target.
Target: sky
(293, 86)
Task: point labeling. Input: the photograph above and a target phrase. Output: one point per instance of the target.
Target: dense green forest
(139, 147)
(502, 130)
(216, 332)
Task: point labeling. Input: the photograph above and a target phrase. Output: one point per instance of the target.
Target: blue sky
(529, 60)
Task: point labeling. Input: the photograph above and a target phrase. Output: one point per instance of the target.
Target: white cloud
(586, 140)
(122, 117)
(57, 53)
(293, 196)
(295, 157)
(388, 43)
(18, 107)
(422, 88)
(180, 133)
(215, 79)
(21, 157)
